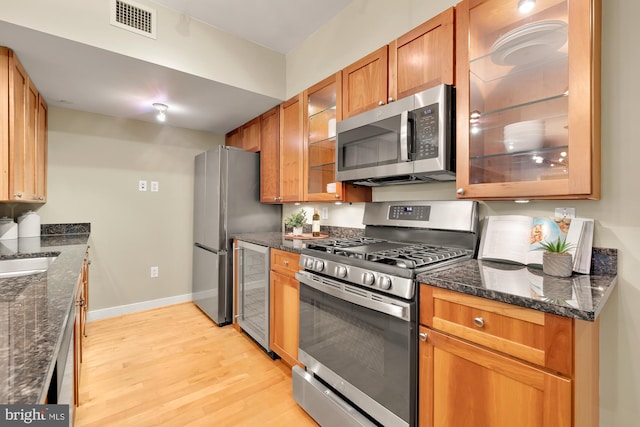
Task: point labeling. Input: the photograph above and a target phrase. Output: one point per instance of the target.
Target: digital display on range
(410, 213)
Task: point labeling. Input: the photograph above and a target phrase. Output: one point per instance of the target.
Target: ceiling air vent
(134, 17)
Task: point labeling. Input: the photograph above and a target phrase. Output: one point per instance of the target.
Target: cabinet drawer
(284, 262)
(540, 338)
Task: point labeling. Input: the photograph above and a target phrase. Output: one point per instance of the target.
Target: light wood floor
(173, 367)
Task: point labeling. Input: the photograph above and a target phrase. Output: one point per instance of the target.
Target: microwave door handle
(404, 136)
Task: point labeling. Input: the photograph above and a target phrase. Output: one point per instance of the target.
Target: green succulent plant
(296, 219)
(560, 246)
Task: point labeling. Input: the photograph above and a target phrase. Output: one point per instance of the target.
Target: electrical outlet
(154, 271)
(565, 212)
(324, 213)
(154, 186)
(142, 185)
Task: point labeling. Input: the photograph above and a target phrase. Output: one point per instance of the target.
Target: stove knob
(368, 279)
(384, 282)
(341, 271)
(318, 265)
(308, 263)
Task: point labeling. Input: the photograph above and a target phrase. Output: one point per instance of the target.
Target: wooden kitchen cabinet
(284, 301)
(423, 57)
(79, 327)
(245, 137)
(473, 386)
(77, 341)
(484, 362)
(418, 60)
(234, 138)
(270, 156)
(323, 109)
(528, 100)
(364, 83)
(292, 150)
(23, 141)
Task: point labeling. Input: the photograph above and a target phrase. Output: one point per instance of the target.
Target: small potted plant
(296, 220)
(556, 259)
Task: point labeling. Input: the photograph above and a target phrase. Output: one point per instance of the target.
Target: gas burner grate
(416, 255)
(336, 245)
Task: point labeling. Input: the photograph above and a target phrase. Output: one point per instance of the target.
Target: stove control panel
(410, 213)
(373, 280)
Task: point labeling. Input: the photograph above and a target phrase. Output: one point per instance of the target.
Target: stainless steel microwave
(408, 141)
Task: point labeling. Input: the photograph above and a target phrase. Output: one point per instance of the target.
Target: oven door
(362, 345)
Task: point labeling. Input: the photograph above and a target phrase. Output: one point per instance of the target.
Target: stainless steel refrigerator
(226, 203)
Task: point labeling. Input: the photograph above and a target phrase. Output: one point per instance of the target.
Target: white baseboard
(106, 313)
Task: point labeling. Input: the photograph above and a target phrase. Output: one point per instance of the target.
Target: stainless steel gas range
(358, 326)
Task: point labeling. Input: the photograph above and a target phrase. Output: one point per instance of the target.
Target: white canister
(8, 229)
(29, 224)
(331, 128)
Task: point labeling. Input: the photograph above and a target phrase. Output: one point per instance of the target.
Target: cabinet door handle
(423, 336)
(18, 195)
(285, 262)
(478, 321)
(460, 191)
(390, 99)
(380, 102)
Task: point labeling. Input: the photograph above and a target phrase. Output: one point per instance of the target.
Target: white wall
(366, 25)
(95, 163)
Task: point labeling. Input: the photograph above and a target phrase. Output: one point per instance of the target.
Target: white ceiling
(81, 77)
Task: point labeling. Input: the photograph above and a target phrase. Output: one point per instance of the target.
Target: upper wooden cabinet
(23, 141)
(528, 100)
(364, 83)
(322, 102)
(291, 150)
(246, 137)
(270, 156)
(420, 59)
(424, 57)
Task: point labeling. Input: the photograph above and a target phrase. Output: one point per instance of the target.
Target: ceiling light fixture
(162, 110)
(526, 6)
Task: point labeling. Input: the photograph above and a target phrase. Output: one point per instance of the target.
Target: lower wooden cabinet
(488, 363)
(284, 301)
(79, 326)
(466, 385)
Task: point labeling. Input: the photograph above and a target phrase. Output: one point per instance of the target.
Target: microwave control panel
(427, 121)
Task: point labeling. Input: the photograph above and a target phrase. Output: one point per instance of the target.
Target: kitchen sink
(24, 266)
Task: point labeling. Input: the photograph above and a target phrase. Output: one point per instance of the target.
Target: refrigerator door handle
(220, 252)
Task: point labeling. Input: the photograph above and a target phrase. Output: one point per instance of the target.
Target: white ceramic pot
(297, 231)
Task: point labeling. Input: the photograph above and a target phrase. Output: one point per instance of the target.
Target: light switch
(154, 186)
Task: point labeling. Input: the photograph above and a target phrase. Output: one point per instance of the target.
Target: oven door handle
(379, 306)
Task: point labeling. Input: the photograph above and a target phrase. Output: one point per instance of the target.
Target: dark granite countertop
(274, 240)
(277, 239)
(34, 310)
(579, 296)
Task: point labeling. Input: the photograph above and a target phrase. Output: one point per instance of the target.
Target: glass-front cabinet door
(320, 135)
(528, 99)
